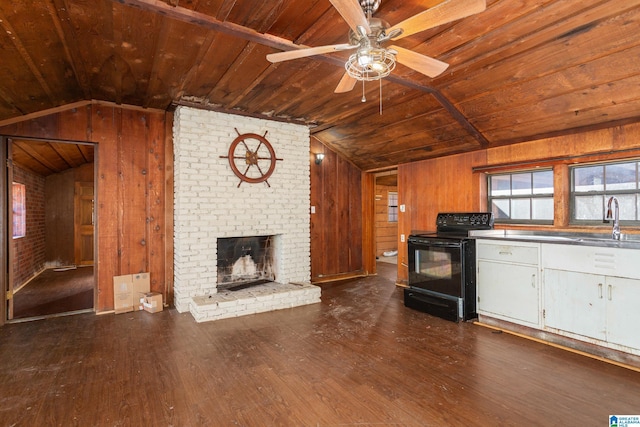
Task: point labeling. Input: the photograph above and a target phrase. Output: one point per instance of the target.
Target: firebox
(245, 261)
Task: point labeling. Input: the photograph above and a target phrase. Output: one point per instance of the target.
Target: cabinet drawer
(512, 252)
(592, 259)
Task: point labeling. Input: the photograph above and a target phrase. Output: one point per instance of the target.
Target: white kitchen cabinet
(623, 311)
(574, 302)
(508, 285)
(584, 294)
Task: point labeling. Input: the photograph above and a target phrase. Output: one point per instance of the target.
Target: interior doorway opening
(386, 216)
(51, 234)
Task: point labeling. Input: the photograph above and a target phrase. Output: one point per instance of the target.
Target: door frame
(4, 228)
(6, 258)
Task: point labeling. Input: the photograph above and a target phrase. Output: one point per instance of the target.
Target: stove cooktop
(458, 224)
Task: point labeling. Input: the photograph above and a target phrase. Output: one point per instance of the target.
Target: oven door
(435, 265)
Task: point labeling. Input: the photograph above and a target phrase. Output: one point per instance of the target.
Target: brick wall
(29, 251)
(209, 203)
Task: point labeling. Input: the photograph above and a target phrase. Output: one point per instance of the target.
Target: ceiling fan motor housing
(378, 29)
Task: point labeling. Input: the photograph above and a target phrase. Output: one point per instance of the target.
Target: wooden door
(83, 223)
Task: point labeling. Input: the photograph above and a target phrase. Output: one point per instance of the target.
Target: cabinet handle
(600, 290)
(533, 281)
(609, 292)
(504, 253)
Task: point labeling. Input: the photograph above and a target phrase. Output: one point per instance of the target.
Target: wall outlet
(402, 208)
(313, 209)
(402, 238)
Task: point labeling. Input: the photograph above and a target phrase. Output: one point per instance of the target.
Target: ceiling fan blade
(447, 11)
(423, 64)
(346, 84)
(351, 12)
(310, 51)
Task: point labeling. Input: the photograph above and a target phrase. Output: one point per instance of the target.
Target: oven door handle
(437, 244)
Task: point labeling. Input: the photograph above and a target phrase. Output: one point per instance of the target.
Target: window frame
(532, 195)
(605, 193)
(18, 210)
(392, 210)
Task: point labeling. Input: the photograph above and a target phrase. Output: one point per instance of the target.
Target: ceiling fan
(373, 60)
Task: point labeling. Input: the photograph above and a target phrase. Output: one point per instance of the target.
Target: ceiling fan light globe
(364, 58)
(370, 64)
(378, 67)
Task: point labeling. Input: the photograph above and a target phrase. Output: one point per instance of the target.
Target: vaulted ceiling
(520, 70)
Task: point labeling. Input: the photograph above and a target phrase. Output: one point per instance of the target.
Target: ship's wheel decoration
(252, 158)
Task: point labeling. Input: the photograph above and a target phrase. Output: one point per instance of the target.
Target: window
(19, 210)
(593, 185)
(522, 197)
(392, 205)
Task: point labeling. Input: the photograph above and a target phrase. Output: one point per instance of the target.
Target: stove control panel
(465, 220)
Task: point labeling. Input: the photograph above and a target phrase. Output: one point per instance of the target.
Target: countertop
(628, 241)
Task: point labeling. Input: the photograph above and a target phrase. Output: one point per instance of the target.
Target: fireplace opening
(245, 261)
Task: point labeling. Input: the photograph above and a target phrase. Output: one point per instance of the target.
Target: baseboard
(608, 355)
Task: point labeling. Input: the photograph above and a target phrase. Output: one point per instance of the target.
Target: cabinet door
(623, 311)
(575, 302)
(509, 290)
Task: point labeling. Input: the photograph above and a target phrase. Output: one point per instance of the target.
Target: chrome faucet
(615, 232)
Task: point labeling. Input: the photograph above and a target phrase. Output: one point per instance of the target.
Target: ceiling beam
(26, 57)
(206, 21)
(447, 105)
(69, 42)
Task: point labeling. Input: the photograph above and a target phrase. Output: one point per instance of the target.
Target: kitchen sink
(590, 239)
(543, 238)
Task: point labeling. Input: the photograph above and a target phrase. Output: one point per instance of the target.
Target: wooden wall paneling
(80, 118)
(106, 125)
(317, 217)
(168, 184)
(74, 124)
(432, 186)
(132, 154)
(355, 219)
(343, 248)
(105, 132)
(405, 219)
(368, 223)
(156, 191)
(330, 213)
(59, 202)
(561, 195)
(336, 227)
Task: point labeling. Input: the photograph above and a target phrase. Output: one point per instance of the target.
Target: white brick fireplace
(209, 204)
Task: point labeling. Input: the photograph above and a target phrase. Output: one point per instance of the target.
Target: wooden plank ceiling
(520, 70)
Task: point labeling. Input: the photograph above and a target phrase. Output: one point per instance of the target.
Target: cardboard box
(123, 293)
(141, 286)
(152, 302)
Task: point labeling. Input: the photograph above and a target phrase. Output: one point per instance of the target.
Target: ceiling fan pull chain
(364, 98)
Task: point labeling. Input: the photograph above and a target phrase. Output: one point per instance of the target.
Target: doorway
(51, 232)
(386, 216)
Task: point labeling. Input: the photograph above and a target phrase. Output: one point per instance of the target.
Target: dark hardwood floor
(55, 292)
(359, 358)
